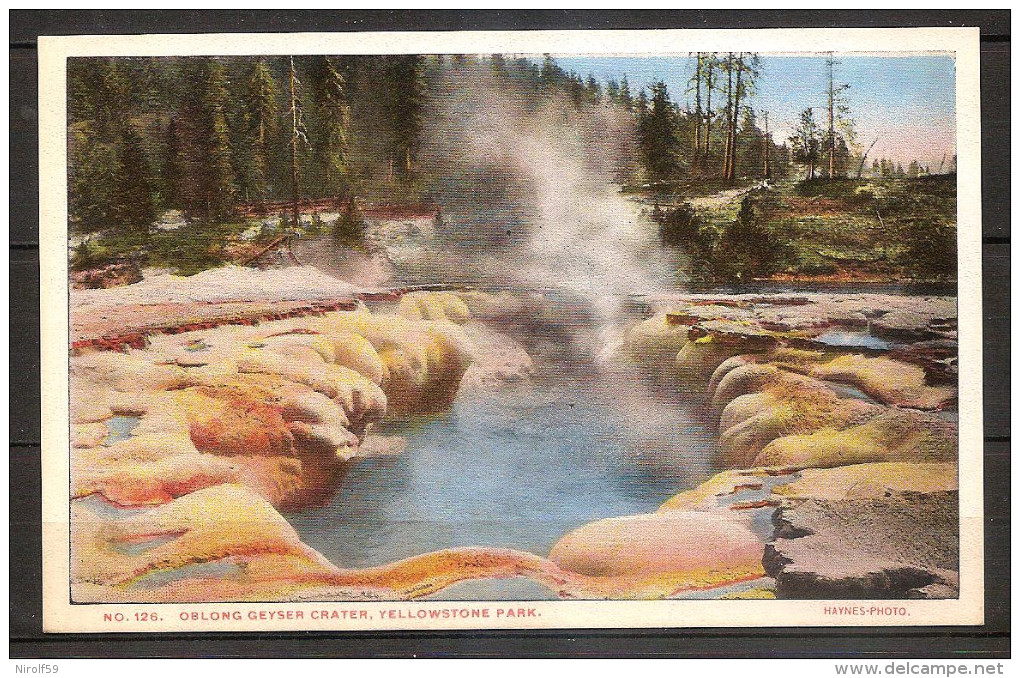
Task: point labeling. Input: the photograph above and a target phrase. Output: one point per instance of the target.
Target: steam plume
(530, 195)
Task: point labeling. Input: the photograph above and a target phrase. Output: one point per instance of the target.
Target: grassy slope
(862, 227)
(189, 249)
(868, 229)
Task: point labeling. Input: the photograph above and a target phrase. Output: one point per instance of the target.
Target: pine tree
(114, 92)
(171, 171)
(657, 134)
(742, 71)
(406, 107)
(711, 75)
(625, 98)
(92, 166)
(751, 144)
(131, 202)
(806, 141)
(97, 103)
(208, 182)
(729, 68)
(613, 91)
(220, 186)
(694, 85)
(333, 124)
(261, 121)
(298, 139)
(84, 89)
(149, 93)
(841, 133)
(551, 73)
(766, 148)
(110, 180)
(593, 89)
(640, 105)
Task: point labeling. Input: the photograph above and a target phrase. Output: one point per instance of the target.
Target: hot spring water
(520, 465)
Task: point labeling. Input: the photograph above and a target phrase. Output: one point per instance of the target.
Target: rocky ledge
(837, 415)
(889, 547)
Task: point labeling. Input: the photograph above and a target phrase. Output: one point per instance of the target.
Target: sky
(905, 100)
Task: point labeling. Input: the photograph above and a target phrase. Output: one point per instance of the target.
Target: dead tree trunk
(698, 65)
(295, 133)
(832, 121)
(860, 167)
(729, 116)
(732, 175)
(710, 85)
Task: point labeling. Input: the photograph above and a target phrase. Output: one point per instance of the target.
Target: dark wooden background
(27, 640)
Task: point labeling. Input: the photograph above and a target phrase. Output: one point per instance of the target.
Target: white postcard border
(59, 615)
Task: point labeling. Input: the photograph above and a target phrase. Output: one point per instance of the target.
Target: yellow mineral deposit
(893, 435)
(890, 381)
(871, 481)
(705, 496)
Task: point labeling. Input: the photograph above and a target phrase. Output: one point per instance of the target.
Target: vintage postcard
(474, 330)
